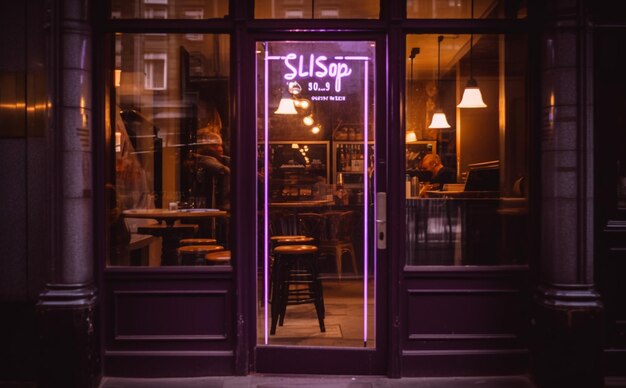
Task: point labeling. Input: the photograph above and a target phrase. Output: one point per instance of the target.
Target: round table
(170, 237)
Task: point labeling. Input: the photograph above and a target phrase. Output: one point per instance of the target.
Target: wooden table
(169, 235)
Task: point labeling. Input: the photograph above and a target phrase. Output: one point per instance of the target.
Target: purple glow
(365, 196)
(265, 198)
(315, 66)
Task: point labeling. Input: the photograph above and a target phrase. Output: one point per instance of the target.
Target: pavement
(283, 381)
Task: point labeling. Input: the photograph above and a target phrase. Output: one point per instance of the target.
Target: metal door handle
(381, 220)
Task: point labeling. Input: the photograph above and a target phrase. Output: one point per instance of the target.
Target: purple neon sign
(316, 66)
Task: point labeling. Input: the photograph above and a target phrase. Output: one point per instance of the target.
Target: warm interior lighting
(304, 104)
(118, 77)
(308, 120)
(118, 141)
(439, 118)
(286, 106)
(410, 137)
(315, 129)
(472, 97)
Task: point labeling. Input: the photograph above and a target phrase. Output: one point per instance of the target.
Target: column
(566, 345)
(67, 305)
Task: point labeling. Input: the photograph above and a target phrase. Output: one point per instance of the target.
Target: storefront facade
(164, 121)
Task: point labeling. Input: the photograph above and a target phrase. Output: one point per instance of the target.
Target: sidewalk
(268, 381)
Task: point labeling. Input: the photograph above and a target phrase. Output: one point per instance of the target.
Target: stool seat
(295, 249)
(171, 236)
(217, 258)
(200, 249)
(197, 241)
(194, 254)
(278, 237)
(301, 240)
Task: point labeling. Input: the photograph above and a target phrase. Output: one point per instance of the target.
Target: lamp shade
(286, 106)
(439, 120)
(472, 97)
(411, 137)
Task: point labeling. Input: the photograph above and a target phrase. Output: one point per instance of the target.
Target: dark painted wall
(610, 184)
(24, 218)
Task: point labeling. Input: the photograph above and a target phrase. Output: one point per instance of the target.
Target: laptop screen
(483, 179)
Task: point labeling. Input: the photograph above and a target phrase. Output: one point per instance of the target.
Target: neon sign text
(316, 67)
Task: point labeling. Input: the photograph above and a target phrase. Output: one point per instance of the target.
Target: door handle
(381, 220)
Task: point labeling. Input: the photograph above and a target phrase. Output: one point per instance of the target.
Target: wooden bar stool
(217, 258)
(197, 241)
(171, 235)
(295, 240)
(194, 254)
(295, 281)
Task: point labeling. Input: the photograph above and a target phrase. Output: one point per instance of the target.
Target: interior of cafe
(466, 168)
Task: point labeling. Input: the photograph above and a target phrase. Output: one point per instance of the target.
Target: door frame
(306, 360)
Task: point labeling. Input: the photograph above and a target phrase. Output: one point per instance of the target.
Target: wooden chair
(337, 238)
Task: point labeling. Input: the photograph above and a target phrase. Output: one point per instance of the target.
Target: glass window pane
(169, 9)
(315, 112)
(467, 174)
(466, 9)
(171, 186)
(316, 9)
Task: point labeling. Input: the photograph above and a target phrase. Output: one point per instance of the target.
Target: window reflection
(462, 9)
(170, 195)
(466, 185)
(316, 9)
(169, 9)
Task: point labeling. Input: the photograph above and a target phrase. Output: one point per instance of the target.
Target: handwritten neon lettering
(316, 66)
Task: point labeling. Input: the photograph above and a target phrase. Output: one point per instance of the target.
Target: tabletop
(162, 214)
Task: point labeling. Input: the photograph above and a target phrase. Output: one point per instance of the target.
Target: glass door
(316, 156)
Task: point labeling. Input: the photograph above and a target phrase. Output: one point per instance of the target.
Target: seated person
(210, 174)
(440, 174)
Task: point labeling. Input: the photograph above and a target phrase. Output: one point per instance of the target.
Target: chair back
(310, 225)
(338, 226)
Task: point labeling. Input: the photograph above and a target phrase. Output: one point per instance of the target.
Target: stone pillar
(67, 306)
(566, 348)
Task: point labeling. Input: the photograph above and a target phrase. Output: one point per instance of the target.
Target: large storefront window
(169, 9)
(170, 194)
(316, 9)
(466, 159)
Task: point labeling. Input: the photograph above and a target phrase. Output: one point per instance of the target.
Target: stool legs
(290, 274)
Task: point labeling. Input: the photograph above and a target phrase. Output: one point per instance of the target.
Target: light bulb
(439, 120)
(472, 97)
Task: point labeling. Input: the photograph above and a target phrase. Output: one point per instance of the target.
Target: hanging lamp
(472, 97)
(439, 118)
(411, 136)
(286, 105)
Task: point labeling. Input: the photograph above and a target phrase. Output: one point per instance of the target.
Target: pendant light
(411, 136)
(472, 97)
(439, 118)
(286, 105)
